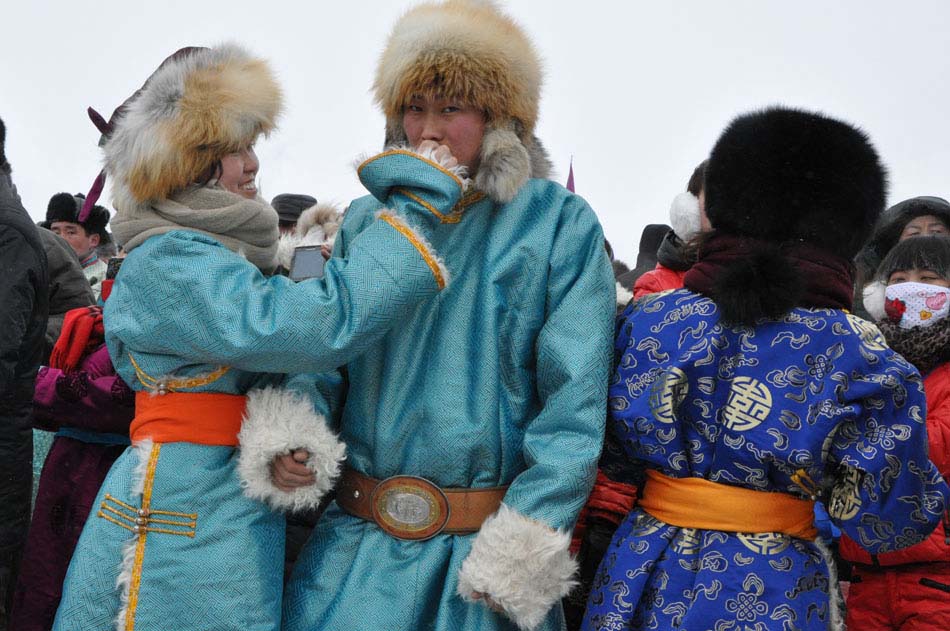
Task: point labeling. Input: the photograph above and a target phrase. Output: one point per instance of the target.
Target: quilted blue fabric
(501, 379)
(817, 392)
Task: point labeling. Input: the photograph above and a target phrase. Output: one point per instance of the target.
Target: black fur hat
(66, 207)
(785, 175)
(789, 180)
(4, 165)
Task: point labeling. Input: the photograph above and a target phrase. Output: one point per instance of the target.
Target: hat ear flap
(505, 165)
(395, 134)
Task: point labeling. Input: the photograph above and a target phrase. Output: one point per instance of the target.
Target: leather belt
(413, 508)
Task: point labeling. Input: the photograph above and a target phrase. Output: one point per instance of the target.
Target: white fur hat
(470, 50)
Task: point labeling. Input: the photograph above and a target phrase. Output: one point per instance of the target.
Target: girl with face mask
(909, 588)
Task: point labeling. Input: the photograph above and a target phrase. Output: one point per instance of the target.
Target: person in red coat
(688, 218)
(909, 589)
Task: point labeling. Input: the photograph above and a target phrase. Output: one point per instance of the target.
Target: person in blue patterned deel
(753, 392)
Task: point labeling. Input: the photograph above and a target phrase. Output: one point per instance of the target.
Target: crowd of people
(470, 416)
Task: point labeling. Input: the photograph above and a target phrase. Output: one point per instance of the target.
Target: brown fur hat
(200, 105)
(469, 49)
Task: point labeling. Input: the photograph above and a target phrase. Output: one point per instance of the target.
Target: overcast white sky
(636, 91)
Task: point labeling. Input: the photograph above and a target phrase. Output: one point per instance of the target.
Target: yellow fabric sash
(697, 503)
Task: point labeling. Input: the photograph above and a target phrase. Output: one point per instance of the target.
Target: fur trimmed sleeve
(278, 421)
(521, 564)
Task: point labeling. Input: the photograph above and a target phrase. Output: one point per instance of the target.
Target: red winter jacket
(937, 547)
(660, 279)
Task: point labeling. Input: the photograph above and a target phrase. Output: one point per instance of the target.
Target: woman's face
(918, 276)
(923, 226)
(239, 173)
(448, 122)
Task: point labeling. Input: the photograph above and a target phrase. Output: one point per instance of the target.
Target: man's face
(449, 122)
(82, 242)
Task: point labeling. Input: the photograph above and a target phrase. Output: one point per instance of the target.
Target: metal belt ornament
(409, 507)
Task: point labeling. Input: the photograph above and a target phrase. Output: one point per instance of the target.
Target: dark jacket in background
(24, 307)
(650, 240)
(68, 287)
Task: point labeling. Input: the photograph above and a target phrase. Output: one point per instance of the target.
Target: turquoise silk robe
(500, 380)
(185, 307)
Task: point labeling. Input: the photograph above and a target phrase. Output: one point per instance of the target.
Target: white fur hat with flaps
(469, 49)
(198, 106)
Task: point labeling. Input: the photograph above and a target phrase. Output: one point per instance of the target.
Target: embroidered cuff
(522, 564)
(420, 243)
(278, 421)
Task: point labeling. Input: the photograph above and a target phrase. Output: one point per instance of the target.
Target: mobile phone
(112, 267)
(306, 263)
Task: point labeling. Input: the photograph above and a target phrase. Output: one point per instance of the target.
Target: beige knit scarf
(245, 226)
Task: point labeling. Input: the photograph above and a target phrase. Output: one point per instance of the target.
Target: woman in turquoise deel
(207, 339)
(485, 405)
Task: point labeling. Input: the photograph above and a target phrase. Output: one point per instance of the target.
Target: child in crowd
(910, 588)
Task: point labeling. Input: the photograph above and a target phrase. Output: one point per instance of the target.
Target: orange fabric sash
(697, 503)
(205, 418)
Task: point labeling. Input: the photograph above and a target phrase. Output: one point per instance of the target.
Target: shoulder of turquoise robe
(360, 213)
(563, 442)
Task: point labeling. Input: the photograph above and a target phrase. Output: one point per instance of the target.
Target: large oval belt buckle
(408, 507)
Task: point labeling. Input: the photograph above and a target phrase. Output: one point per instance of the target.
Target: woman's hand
(290, 472)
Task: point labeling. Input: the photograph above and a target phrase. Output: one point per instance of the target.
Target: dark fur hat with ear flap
(469, 49)
(66, 207)
(784, 181)
(783, 175)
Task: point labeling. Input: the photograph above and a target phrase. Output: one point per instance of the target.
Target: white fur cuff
(522, 564)
(276, 422)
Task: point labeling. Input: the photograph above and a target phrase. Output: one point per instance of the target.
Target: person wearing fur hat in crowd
(24, 306)
(289, 206)
(473, 429)
(85, 236)
(917, 216)
(688, 218)
(217, 352)
(753, 392)
(908, 589)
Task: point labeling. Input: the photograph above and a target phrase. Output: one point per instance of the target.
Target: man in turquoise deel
(474, 426)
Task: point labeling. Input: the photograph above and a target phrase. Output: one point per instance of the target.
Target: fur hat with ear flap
(200, 105)
(66, 207)
(468, 49)
(791, 196)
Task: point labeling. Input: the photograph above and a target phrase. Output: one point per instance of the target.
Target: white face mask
(916, 304)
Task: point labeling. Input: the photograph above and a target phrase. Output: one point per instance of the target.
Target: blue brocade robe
(499, 380)
(818, 392)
